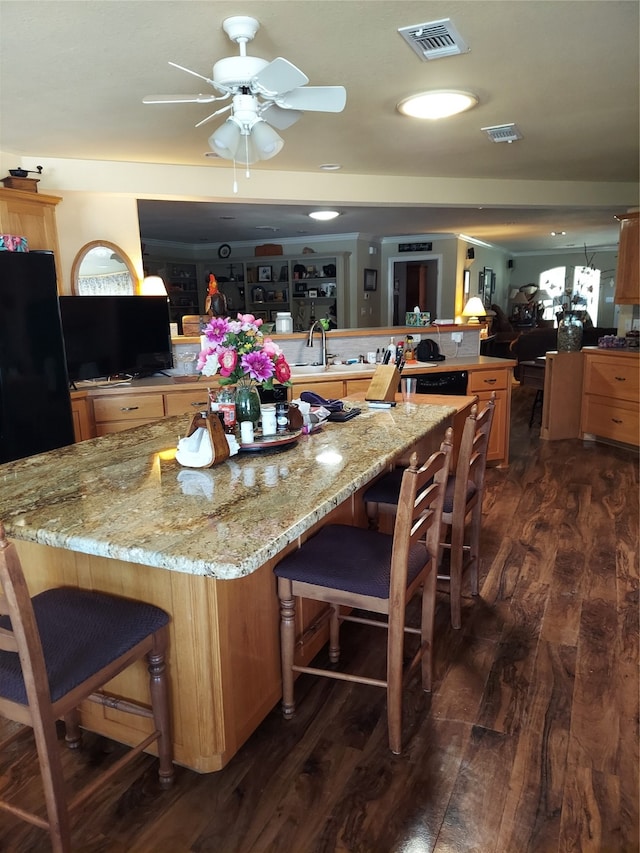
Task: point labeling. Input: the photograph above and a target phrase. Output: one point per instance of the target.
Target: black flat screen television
(106, 336)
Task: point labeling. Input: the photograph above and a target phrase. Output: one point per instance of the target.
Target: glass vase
(247, 404)
(569, 333)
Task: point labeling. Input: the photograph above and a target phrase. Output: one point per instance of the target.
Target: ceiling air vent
(502, 133)
(435, 39)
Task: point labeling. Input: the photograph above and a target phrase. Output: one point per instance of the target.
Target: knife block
(384, 384)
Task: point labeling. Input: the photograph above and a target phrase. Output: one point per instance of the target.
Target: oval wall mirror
(102, 269)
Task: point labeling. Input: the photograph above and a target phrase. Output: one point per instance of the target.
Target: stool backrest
(23, 636)
(419, 512)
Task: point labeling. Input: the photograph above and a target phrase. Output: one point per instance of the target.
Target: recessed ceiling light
(437, 104)
(330, 167)
(324, 215)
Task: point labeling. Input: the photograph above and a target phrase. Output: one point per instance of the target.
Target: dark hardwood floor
(529, 741)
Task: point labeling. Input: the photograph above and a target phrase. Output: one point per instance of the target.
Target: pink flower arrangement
(238, 353)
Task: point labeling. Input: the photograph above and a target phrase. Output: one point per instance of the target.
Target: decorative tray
(272, 442)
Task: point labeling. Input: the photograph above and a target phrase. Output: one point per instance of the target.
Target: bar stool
(463, 501)
(376, 572)
(59, 649)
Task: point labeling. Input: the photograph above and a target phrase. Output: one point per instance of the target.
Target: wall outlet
(456, 337)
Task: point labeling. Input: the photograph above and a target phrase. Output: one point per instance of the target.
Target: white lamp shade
(226, 140)
(474, 309)
(266, 141)
(153, 285)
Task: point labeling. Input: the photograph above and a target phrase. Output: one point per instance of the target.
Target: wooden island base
(224, 651)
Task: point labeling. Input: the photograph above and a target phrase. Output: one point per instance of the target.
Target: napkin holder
(205, 443)
(384, 384)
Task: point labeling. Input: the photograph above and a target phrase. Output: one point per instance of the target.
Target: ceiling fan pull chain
(235, 178)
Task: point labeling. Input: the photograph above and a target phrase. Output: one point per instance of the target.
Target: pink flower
(258, 365)
(216, 329)
(271, 348)
(228, 359)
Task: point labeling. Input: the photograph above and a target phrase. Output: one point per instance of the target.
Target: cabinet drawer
(619, 421)
(142, 407)
(487, 380)
(183, 402)
(611, 377)
(331, 390)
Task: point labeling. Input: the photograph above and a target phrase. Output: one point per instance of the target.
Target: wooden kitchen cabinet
(81, 410)
(610, 396)
(562, 396)
(482, 383)
(627, 273)
(126, 410)
(32, 215)
(186, 402)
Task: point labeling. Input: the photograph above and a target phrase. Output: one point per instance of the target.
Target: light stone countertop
(123, 496)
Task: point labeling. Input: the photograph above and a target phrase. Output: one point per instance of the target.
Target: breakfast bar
(117, 513)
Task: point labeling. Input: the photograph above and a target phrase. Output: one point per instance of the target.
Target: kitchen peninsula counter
(117, 513)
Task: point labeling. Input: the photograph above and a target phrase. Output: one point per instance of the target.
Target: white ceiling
(73, 75)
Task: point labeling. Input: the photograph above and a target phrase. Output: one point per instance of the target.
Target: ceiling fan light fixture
(440, 103)
(266, 141)
(324, 215)
(226, 140)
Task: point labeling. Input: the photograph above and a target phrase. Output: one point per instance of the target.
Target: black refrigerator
(35, 405)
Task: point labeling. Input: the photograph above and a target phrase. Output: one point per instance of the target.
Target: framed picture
(260, 315)
(264, 273)
(312, 294)
(272, 315)
(300, 288)
(371, 279)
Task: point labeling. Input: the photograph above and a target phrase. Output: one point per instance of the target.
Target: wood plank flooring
(528, 743)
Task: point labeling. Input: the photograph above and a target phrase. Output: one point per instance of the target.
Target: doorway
(415, 282)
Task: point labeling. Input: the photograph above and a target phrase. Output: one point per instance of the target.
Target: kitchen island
(118, 514)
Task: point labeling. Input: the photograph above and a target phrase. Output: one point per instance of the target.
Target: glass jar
(247, 404)
(284, 323)
(569, 333)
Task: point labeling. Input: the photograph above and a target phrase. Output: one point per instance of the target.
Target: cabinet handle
(129, 408)
(490, 381)
(616, 420)
(621, 378)
(201, 403)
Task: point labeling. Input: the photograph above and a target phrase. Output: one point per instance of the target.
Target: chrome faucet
(323, 353)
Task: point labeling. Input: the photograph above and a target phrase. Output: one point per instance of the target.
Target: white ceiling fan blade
(279, 76)
(189, 71)
(282, 119)
(179, 99)
(213, 115)
(328, 99)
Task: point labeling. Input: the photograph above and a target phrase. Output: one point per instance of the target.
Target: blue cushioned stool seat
(362, 565)
(81, 631)
(387, 489)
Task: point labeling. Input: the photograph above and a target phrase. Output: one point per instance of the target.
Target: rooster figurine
(215, 303)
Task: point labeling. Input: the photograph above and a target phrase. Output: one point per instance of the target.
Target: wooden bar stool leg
(73, 735)
(334, 634)
(287, 644)
(160, 705)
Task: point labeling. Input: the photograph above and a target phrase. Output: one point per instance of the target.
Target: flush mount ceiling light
(440, 103)
(558, 233)
(324, 215)
(330, 167)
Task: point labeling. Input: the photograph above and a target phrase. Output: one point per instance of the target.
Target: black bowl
(18, 173)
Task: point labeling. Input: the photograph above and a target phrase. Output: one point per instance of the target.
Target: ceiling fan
(263, 96)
